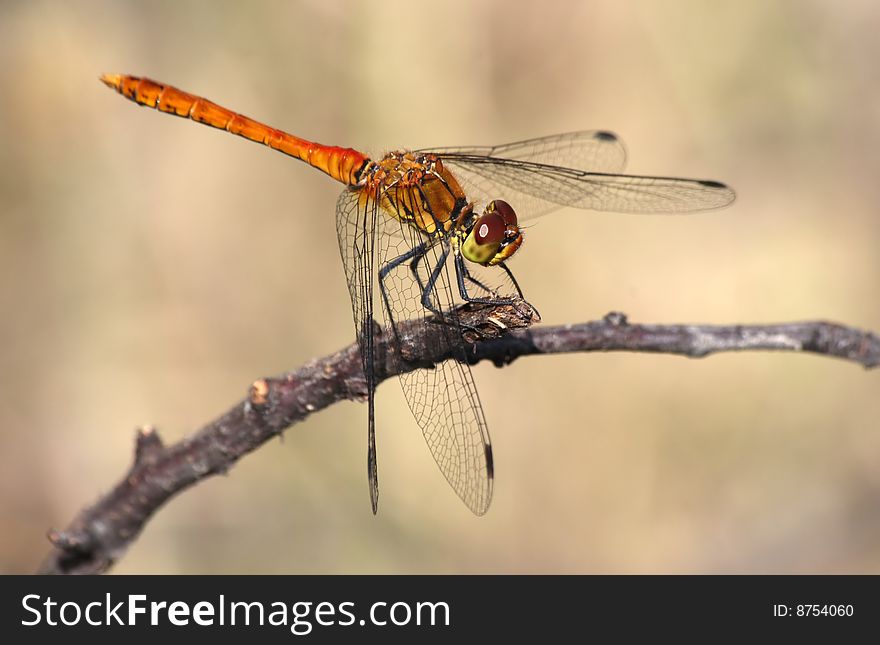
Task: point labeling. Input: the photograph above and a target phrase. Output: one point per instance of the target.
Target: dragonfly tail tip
(111, 80)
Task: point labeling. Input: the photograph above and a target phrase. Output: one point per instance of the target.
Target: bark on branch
(100, 533)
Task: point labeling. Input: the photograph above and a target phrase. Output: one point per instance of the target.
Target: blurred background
(152, 268)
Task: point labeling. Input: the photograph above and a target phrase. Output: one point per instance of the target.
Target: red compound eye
(505, 210)
(489, 229)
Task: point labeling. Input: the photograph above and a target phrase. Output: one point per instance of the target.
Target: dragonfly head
(494, 236)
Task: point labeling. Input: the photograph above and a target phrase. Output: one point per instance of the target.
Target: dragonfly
(423, 232)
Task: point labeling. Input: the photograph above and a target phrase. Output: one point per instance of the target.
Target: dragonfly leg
(482, 286)
(518, 290)
(415, 254)
(414, 269)
(462, 274)
(512, 280)
(432, 280)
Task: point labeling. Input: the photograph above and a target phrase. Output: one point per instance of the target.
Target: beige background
(151, 268)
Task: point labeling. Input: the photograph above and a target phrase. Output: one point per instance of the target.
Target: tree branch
(100, 534)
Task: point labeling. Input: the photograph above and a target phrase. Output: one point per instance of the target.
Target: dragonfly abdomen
(343, 164)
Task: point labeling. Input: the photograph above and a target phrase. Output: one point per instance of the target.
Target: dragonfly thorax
(415, 189)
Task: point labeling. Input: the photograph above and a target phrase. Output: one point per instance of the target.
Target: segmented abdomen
(343, 164)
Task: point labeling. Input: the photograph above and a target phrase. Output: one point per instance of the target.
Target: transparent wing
(443, 400)
(534, 188)
(580, 170)
(361, 253)
(592, 150)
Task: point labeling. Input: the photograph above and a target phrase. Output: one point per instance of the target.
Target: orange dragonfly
(402, 220)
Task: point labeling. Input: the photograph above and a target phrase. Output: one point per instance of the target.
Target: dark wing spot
(709, 183)
(490, 463)
(604, 135)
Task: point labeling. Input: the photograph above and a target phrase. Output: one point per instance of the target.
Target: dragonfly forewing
(541, 188)
(576, 169)
(592, 150)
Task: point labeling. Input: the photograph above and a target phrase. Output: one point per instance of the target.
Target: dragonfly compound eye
(505, 210)
(489, 229)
